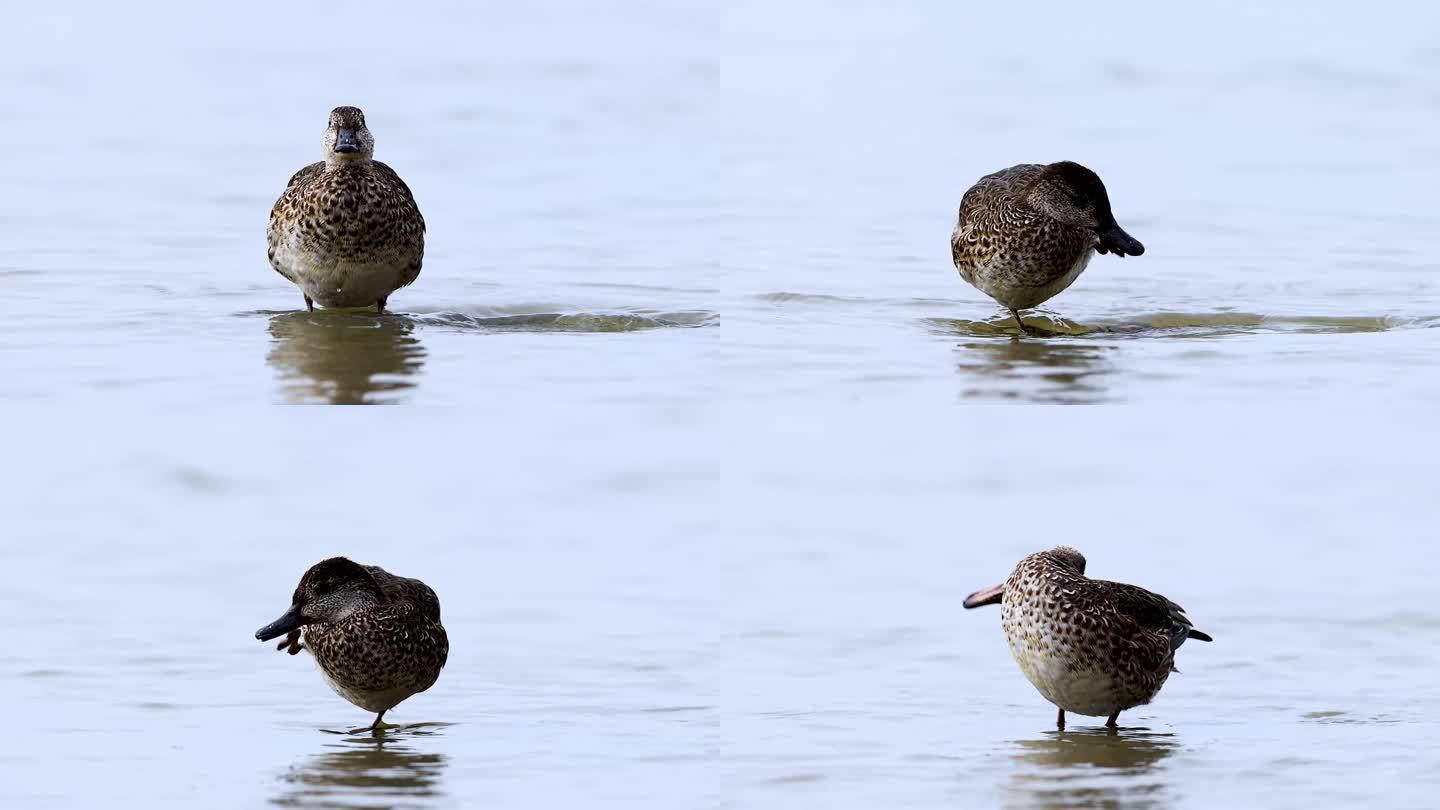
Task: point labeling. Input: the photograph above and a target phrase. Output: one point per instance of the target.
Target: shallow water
(711, 439)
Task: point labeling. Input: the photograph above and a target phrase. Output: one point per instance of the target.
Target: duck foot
(291, 643)
(373, 728)
(1111, 723)
(1026, 329)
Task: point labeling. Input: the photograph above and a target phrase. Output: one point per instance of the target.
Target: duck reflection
(364, 771)
(345, 358)
(1092, 768)
(1062, 370)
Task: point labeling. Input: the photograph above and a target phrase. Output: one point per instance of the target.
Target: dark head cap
(1076, 196)
(352, 117)
(329, 592)
(336, 574)
(1083, 186)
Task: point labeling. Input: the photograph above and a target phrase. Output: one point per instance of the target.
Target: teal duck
(347, 230)
(1089, 646)
(376, 637)
(1027, 232)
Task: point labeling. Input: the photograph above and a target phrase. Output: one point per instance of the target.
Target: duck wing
(394, 177)
(405, 589)
(1154, 611)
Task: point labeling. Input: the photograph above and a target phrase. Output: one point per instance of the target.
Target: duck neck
(337, 161)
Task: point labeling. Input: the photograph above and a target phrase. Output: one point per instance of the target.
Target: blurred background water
(714, 439)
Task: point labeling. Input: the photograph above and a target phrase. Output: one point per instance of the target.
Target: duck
(346, 230)
(1025, 233)
(376, 637)
(1089, 646)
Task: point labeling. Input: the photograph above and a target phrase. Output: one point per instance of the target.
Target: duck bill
(1115, 240)
(988, 596)
(292, 620)
(346, 142)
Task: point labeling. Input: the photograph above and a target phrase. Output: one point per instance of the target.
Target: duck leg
(1111, 722)
(1060, 721)
(309, 305)
(380, 306)
(1033, 331)
(373, 728)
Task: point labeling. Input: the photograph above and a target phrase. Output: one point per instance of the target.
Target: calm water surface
(713, 440)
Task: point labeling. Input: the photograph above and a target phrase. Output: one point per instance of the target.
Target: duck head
(329, 592)
(1066, 557)
(1061, 556)
(1074, 195)
(347, 139)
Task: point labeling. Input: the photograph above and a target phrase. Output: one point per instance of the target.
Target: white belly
(334, 283)
(1087, 691)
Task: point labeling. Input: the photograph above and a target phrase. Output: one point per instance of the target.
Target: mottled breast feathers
(348, 234)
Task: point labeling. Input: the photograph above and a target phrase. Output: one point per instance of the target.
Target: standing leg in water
(373, 728)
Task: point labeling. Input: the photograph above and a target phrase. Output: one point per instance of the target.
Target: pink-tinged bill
(988, 596)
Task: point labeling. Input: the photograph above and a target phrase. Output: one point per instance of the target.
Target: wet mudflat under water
(708, 440)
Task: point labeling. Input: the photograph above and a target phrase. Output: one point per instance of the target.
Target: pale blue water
(702, 440)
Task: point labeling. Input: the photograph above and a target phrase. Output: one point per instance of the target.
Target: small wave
(1179, 324)
(624, 321)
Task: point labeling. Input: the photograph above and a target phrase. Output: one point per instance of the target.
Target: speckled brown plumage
(396, 589)
(1089, 646)
(376, 637)
(347, 230)
(1026, 233)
